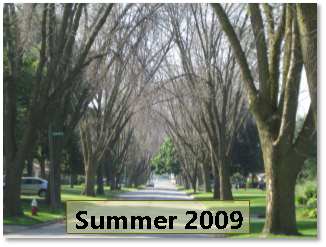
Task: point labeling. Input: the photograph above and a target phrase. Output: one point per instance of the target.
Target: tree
(275, 113)
(46, 91)
(72, 163)
(309, 168)
(307, 20)
(167, 160)
(209, 75)
(247, 154)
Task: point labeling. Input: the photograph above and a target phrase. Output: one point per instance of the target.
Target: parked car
(150, 184)
(201, 188)
(33, 186)
(242, 185)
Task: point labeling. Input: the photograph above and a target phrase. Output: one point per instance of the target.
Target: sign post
(51, 169)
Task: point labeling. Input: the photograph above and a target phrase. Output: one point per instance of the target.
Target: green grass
(306, 227)
(45, 215)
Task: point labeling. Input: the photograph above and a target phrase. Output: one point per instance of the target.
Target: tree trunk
(30, 166)
(11, 199)
(100, 188)
(57, 145)
(280, 185)
(189, 179)
(197, 182)
(225, 184)
(136, 182)
(118, 179)
(129, 181)
(206, 177)
(42, 166)
(113, 179)
(14, 171)
(89, 181)
(72, 180)
(216, 194)
(252, 180)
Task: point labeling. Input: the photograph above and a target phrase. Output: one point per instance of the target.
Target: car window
(25, 181)
(35, 181)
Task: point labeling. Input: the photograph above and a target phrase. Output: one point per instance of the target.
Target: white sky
(304, 98)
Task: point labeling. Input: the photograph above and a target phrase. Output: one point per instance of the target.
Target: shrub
(313, 213)
(301, 200)
(311, 192)
(309, 213)
(312, 203)
(302, 186)
(82, 184)
(305, 212)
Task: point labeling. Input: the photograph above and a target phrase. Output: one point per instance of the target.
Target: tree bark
(216, 194)
(30, 166)
(113, 179)
(72, 180)
(100, 188)
(280, 186)
(225, 185)
(42, 166)
(14, 172)
(307, 20)
(206, 177)
(58, 146)
(118, 179)
(89, 181)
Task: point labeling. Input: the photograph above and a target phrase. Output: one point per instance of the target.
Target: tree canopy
(166, 160)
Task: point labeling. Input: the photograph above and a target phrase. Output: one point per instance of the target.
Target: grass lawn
(45, 214)
(306, 227)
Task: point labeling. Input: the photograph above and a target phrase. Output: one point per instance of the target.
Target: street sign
(58, 133)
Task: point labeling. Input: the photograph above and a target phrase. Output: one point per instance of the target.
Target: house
(260, 177)
(37, 171)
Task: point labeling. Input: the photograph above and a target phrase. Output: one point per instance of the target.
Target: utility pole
(51, 169)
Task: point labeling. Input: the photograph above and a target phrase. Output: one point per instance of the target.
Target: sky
(304, 98)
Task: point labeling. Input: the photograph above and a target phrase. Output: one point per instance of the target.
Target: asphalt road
(161, 191)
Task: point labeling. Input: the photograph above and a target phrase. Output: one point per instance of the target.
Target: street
(161, 191)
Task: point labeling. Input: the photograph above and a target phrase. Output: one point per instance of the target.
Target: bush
(82, 184)
(313, 213)
(301, 200)
(255, 184)
(301, 186)
(312, 203)
(310, 213)
(311, 192)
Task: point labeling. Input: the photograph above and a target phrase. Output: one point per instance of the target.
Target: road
(161, 191)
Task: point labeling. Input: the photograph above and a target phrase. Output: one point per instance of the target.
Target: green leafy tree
(167, 160)
(247, 155)
(72, 162)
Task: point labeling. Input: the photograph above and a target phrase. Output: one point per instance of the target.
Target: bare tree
(307, 21)
(275, 112)
(209, 73)
(46, 91)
